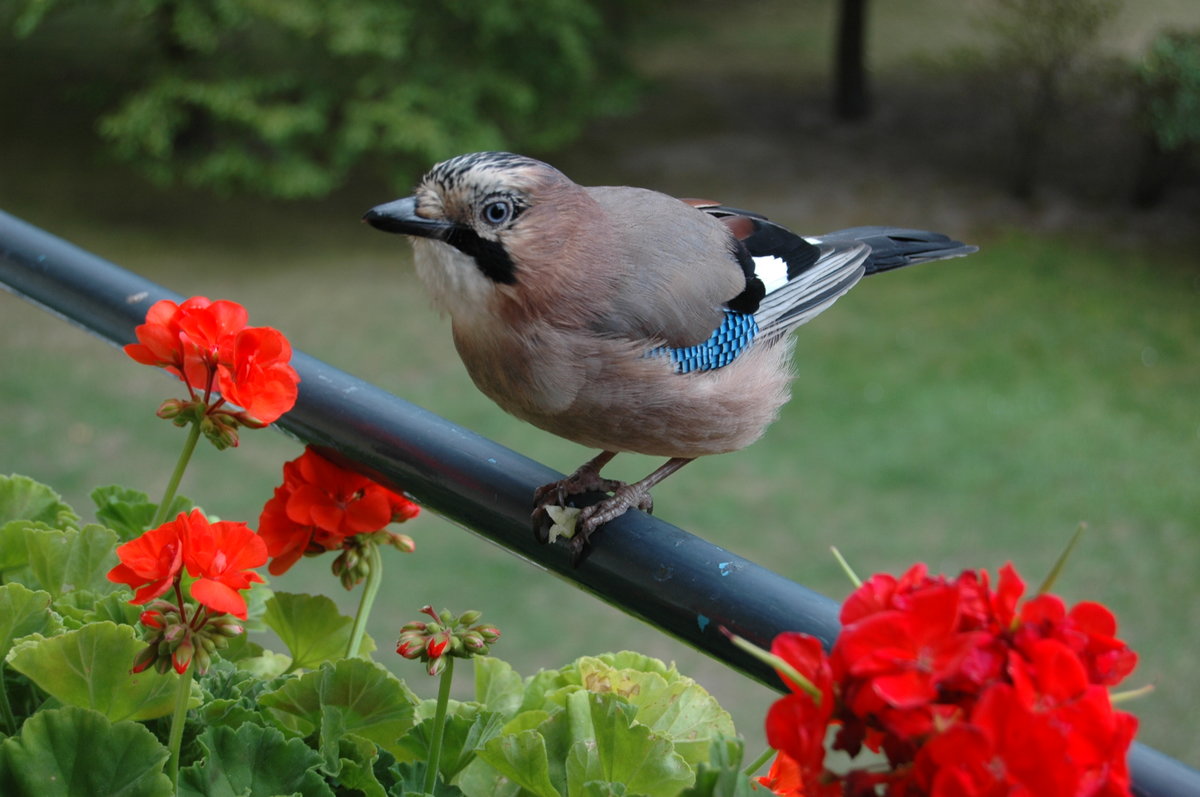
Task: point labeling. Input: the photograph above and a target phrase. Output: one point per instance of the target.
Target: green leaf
(598, 788)
(71, 751)
(311, 628)
(67, 559)
(21, 498)
(114, 606)
(497, 686)
(346, 696)
(23, 612)
(625, 752)
(721, 775)
(356, 766)
(522, 758)
(90, 667)
(252, 761)
(462, 736)
(266, 665)
(130, 512)
(666, 701)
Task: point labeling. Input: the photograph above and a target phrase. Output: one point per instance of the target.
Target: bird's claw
(580, 527)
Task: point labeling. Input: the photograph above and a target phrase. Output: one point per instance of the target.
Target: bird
(622, 318)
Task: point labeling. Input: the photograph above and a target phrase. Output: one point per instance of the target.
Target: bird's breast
(615, 395)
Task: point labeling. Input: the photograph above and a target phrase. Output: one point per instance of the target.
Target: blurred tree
(1040, 45)
(1168, 80)
(851, 99)
(284, 97)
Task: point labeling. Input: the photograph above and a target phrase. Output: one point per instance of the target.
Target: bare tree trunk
(851, 101)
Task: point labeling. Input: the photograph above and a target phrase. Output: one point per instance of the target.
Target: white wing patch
(772, 271)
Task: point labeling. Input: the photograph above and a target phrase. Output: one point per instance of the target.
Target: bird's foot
(555, 516)
(592, 517)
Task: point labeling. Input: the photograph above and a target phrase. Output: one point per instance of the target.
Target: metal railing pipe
(648, 568)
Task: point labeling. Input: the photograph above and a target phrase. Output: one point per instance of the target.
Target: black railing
(648, 568)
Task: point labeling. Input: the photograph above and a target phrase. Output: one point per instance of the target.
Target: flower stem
(370, 590)
(185, 456)
(758, 762)
(439, 725)
(182, 694)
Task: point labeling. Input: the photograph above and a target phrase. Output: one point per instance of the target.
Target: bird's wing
(799, 277)
(676, 271)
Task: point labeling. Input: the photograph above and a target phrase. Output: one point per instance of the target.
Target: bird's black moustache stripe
(490, 256)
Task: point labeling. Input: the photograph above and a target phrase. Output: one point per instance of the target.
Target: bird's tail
(895, 247)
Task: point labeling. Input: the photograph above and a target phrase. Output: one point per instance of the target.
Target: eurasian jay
(622, 318)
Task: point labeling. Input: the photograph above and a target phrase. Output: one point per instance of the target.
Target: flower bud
(151, 619)
(173, 408)
(147, 656)
(181, 657)
(410, 649)
(219, 431)
(249, 421)
(201, 661)
(436, 665)
(490, 633)
(401, 542)
(228, 627)
(435, 646)
(466, 618)
(415, 625)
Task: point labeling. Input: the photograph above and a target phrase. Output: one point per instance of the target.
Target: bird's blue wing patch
(729, 340)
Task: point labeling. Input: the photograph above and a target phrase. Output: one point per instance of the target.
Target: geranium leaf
(69, 751)
(522, 758)
(89, 667)
(66, 559)
(311, 628)
(665, 701)
(625, 752)
(347, 696)
(461, 737)
(497, 686)
(253, 761)
(721, 775)
(21, 498)
(23, 612)
(130, 512)
(356, 766)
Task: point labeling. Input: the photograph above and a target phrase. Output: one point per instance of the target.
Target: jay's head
(480, 222)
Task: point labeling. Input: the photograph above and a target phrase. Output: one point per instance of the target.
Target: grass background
(963, 414)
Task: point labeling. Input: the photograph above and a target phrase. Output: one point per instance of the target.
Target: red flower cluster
(320, 506)
(447, 636)
(966, 690)
(208, 345)
(218, 555)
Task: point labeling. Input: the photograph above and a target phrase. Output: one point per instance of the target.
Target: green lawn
(963, 414)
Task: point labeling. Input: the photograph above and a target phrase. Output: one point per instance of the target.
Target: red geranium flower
(254, 374)
(968, 691)
(796, 724)
(219, 556)
(320, 505)
(208, 345)
(150, 563)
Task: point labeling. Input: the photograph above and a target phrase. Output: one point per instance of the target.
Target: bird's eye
(497, 212)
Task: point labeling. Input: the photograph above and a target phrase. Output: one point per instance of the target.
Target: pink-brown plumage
(621, 318)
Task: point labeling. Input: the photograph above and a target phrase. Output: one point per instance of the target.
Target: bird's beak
(401, 216)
